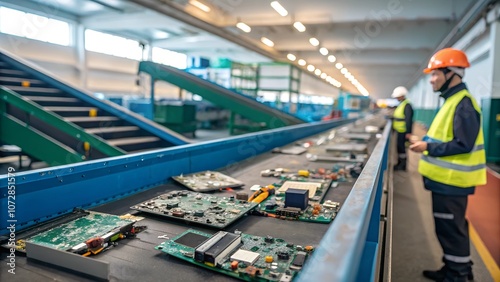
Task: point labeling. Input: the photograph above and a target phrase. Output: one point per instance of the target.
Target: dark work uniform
(449, 203)
(401, 138)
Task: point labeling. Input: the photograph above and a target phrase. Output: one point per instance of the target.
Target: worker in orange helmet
(453, 162)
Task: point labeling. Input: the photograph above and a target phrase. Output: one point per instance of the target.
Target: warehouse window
(99, 42)
(34, 26)
(169, 58)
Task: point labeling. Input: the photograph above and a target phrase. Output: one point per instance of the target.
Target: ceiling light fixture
(280, 9)
(267, 41)
(332, 58)
(323, 51)
(244, 27)
(302, 62)
(314, 41)
(317, 72)
(324, 75)
(299, 26)
(291, 57)
(200, 5)
(339, 65)
(311, 68)
(343, 71)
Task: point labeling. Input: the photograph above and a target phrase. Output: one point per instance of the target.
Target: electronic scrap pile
(243, 256)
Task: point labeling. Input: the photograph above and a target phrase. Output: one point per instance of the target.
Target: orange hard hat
(447, 57)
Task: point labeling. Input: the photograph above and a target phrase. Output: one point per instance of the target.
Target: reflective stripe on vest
(462, 170)
(398, 122)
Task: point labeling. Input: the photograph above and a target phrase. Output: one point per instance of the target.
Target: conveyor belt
(136, 259)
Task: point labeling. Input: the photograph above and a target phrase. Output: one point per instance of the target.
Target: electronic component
(283, 255)
(245, 256)
(296, 198)
(298, 261)
(255, 188)
(309, 186)
(269, 259)
(213, 250)
(288, 212)
(234, 265)
(193, 207)
(331, 205)
(242, 196)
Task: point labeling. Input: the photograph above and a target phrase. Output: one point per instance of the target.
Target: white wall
(105, 73)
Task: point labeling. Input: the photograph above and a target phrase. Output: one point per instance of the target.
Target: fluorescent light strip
(200, 5)
(267, 41)
(280, 9)
(244, 27)
(314, 41)
(299, 26)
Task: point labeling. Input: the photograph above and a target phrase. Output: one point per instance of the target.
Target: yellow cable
(488, 260)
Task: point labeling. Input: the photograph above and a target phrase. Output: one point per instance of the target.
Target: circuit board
(73, 235)
(203, 209)
(207, 181)
(272, 259)
(315, 212)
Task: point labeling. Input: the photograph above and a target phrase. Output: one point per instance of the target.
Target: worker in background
(453, 162)
(402, 123)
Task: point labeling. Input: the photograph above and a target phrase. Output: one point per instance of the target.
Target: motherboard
(243, 256)
(82, 232)
(198, 208)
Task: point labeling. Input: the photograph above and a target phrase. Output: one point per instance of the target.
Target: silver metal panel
(89, 266)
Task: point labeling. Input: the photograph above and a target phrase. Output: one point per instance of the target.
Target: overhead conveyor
(238, 103)
(60, 124)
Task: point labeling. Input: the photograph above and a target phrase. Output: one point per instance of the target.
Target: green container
(175, 113)
(491, 128)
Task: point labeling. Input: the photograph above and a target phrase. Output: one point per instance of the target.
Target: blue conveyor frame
(349, 250)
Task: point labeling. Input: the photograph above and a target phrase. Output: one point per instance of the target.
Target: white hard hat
(399, 91)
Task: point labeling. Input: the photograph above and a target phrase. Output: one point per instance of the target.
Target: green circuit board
(275, 204)
(205, 209)
(287, 258)
(74, 234)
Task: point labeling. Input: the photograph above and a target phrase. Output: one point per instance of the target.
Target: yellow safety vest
(462, 170)
(399, 123)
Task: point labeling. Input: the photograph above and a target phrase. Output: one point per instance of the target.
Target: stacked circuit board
(255, 258)
(203, 209)
(316, 211)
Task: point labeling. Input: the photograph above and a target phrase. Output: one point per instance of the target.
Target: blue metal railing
(349, 250)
